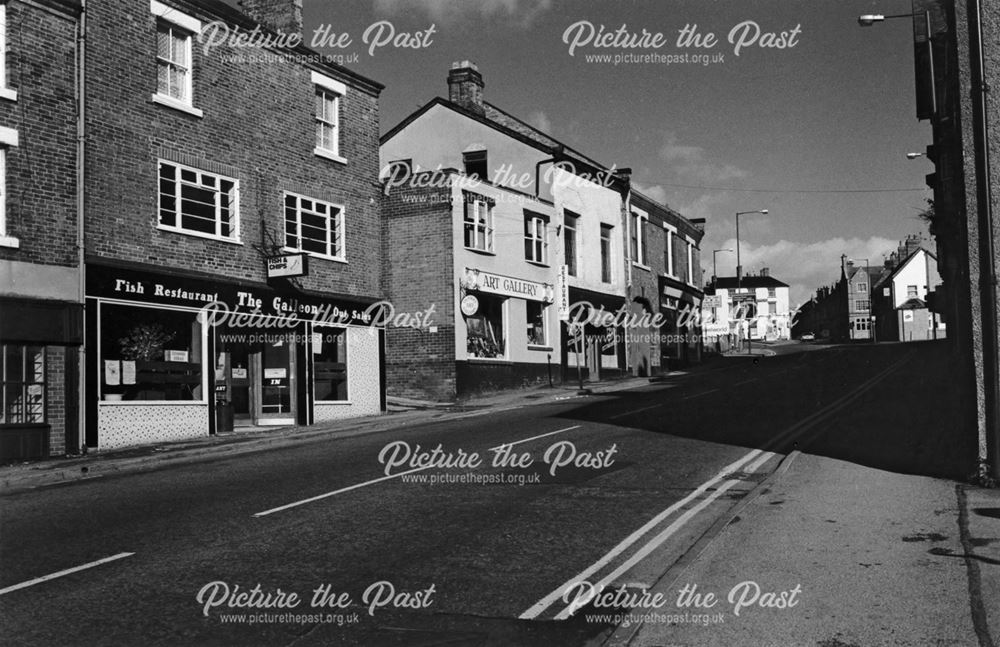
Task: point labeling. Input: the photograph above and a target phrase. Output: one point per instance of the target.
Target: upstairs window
(478, 223)
(314, 226)
(668, 253)
(5, 92)
(606, 253)
(8, 138)
(328, 93)
(862, 287)
(911, 292)
(570, 221)
(772, 293)
(536, 237)
(475, 164)
(174, 63)
(638, 238)
(690, 264)
(195, 202)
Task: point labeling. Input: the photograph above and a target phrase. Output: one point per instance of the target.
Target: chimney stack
(465, 86)
(284, 16)
(765, 271)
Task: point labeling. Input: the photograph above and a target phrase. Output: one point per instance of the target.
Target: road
(421, 553)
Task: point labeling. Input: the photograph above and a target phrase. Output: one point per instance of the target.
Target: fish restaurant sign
(163, 289)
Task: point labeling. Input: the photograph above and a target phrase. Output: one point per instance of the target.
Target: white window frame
(8, 139)
(482, 226)
(916, 291)
(690, 260)
(671, 268)
(333, 90)
(338, 244)
(639, 220)
(575, 228)
(537, 232)
(234, 220)
(5, 92)
(175, 19)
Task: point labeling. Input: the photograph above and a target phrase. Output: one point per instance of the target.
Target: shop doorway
(257, 380)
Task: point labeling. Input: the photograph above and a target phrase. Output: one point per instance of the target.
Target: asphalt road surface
(386, 541)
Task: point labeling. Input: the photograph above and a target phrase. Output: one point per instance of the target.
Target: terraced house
(235, 178)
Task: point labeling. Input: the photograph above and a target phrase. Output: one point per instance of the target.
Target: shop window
(570, 221)
(606, 253)
(22, 390)
(150, 354)
(314, 226)
(199, 203)
(329, 346)
(485, 329)
(478, 222)
(536, 237)
(537, 330)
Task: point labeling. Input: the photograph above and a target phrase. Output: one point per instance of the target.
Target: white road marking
(698, 395)
(389, 477)
(528, 440)
(68, 571)
(656, 541)
(547, 601)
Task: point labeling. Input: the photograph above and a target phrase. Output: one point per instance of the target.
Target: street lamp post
(715, 266)
(739, 266)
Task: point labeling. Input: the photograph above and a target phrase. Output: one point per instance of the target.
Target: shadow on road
(917, 420)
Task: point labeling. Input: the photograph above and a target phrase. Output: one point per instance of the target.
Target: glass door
(276, 383)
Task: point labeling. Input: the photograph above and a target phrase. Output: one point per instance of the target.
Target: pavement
(402, 413)
(830, 553)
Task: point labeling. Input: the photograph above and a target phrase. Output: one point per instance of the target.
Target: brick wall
(419, 268)
(259, 122)
(56, 398)
(41, 170)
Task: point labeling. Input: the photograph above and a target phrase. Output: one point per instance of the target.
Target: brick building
(566, 222)
(41, 292)
(201, 163)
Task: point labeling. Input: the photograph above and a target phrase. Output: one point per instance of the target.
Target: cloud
(541, 121)
(449, 12)
(690, 164)
(804, 266)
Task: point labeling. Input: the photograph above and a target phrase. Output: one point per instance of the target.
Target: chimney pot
(284, 16)
(465, 86)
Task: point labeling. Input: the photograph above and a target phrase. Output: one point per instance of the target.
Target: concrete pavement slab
(839, 555)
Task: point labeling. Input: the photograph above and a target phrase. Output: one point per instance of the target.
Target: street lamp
(715, 267)
(869, 19)
(913, 156)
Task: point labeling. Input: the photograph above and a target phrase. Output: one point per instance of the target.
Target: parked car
(807, 336)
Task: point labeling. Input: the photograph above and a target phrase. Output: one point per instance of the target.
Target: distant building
(754, 306)
(900, 299)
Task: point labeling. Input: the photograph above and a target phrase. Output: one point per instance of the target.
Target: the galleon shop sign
(508, 286)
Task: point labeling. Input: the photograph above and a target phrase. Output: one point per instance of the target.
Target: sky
(815, 132)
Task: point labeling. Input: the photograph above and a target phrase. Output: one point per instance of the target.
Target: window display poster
(128, 371)
(112, 372)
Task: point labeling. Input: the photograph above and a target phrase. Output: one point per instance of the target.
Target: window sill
(148, 403)
(536, 263)
(170, 102)
(335, 259)
(641, 266)
(10, 241)
(330, 155)
(8, 93)
(489, 360)
(540, 348)
(480, 251)
(345, 403)
(198, 234)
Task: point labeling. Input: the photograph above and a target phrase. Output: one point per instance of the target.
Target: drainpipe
(557, 154)
(988, 271)
(81, 75)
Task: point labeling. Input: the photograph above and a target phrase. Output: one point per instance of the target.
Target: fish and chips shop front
(173, 356)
